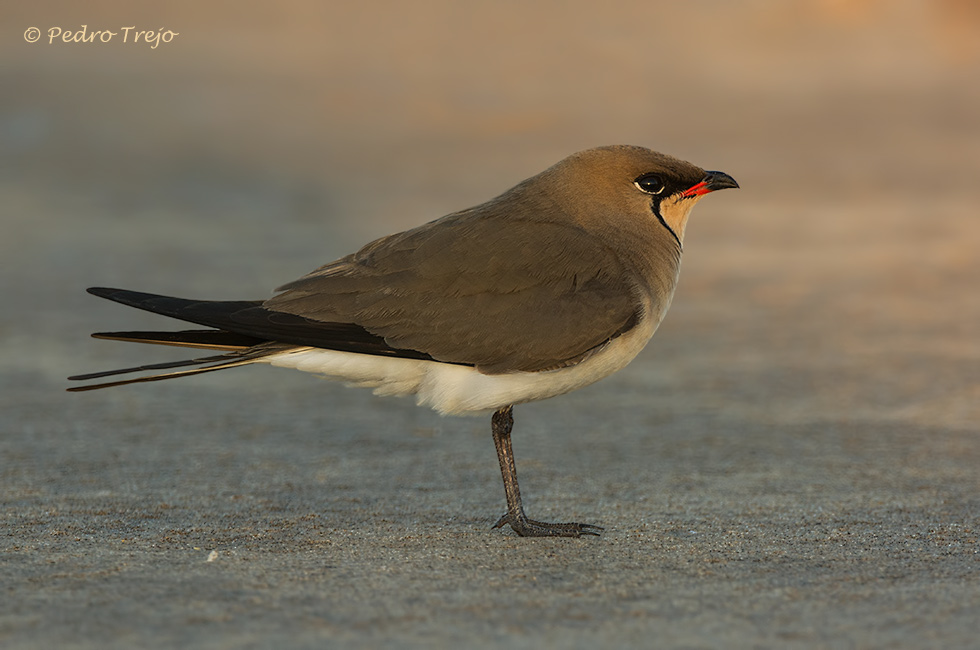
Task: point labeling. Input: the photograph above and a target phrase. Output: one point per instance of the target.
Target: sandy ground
(792, 462)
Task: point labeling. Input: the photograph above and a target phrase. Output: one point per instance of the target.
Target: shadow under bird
(549, 287)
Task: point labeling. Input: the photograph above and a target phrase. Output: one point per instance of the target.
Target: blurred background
(265, 140)
(793, 457)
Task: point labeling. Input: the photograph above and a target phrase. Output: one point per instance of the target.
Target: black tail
(244, 329)
(242, 349)
(249, 319)
(204, 339)
(224, 362)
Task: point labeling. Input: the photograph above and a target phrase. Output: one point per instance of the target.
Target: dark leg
(503, 422)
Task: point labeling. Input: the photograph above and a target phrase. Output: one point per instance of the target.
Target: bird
(549, 287)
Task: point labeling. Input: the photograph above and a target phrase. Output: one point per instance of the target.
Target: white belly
(463, 390)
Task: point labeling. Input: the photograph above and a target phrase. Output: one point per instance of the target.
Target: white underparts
(463, 390)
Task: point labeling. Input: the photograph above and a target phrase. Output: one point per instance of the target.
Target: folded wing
(527, 296)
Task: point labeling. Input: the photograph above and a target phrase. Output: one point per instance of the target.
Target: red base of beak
(697, 190)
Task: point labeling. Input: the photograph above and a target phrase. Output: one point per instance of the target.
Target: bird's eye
(650, 183)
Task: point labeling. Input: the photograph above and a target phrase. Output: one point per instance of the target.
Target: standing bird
(551, 286)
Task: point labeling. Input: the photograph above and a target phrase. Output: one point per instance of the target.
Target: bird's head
(627, 182)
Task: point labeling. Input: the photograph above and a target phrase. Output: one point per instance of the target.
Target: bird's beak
(712, 181)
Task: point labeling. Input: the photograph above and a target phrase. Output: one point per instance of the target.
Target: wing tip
(102, 292)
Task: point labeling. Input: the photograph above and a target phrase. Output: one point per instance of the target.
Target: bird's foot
(530, 528)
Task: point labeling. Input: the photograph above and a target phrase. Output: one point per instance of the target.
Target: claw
(530, 528)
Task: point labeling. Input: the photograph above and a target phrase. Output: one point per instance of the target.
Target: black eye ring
(650, 184)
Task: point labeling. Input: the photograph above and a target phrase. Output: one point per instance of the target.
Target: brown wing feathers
(527, 297)
(530, 298)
